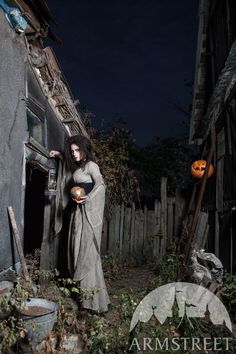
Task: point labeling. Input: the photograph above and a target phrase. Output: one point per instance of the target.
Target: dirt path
(134, 278)
(130, 280)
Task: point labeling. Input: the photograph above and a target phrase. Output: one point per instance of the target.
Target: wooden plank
(219, 185)
(18, 242)
(111, 235)
(231, 256)
(138, 237)
(121, 231)
(132, 228)
(117, 229)
(229, 136)
(151, 234)
(104, 243)
(169, 220)
(38, 147)
(217, 235)
(127, 233)
(201, 231)
(180, 209)
(158, 229)
(155, 240)
(145, 230)
(219, 201)
(220, 141)
(163, 215)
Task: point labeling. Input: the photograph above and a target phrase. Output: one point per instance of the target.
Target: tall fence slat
(104, 244)
(150, 234)
(163, 216)
(132, 228)
(157, 218)
(121, 231)
(114, 230)
(117, 227)
(180, 208)
(145, 231)
(170, 219)
(136, 235)
(127, 233)
(139, 222)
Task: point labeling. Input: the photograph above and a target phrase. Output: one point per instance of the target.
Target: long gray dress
(84, 240)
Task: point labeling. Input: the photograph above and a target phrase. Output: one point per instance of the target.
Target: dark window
(36, 127)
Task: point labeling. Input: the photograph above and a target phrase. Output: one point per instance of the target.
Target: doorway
(34, 208)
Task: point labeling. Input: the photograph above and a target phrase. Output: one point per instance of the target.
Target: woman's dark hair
(85, 148)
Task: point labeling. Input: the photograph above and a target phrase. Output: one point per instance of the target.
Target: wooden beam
(18, 242)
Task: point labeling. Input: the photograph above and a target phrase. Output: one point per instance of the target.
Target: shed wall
(13, 132)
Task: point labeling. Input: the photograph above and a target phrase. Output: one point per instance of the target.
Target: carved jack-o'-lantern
(198, 168)
(77, 193)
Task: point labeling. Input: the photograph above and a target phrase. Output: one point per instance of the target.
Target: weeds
(111, 335)
(228, 290)
(167, 270)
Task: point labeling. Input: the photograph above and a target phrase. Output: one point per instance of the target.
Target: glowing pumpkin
(198, 168)
(77, 193)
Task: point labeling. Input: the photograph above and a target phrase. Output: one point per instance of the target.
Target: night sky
(129, 59)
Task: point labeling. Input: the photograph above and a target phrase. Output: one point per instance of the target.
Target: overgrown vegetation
(169, 267)
(229, 293)
(109, 333)
(112, 147)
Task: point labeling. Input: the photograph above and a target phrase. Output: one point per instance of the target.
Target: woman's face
(75, 152)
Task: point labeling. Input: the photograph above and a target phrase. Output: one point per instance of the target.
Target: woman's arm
(55, 153)
(97, 178)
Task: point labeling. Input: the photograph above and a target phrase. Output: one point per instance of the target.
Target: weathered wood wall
(140, 235)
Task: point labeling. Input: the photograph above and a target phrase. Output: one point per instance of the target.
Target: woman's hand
(55, 153)
(82, 200)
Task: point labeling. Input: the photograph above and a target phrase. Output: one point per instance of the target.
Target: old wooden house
(38, 112)
(213, 122)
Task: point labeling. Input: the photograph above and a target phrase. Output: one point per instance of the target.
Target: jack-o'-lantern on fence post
(198, 168)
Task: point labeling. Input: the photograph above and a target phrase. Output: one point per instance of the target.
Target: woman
(85, 227)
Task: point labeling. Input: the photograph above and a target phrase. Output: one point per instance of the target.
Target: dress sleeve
(97, 178)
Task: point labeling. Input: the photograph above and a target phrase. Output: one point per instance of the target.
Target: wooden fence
(140, 235)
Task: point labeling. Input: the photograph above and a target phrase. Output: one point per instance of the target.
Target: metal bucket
(38, 326)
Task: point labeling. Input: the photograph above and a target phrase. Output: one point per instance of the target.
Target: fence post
(104, 244)
(132, 229)
(163, 215)
(180, 210)
(156, 241)
(170, 218)
(114, 225)
(145, 230)
(121, 229)
(127, 233)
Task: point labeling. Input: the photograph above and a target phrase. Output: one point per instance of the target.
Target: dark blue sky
(129, 59)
